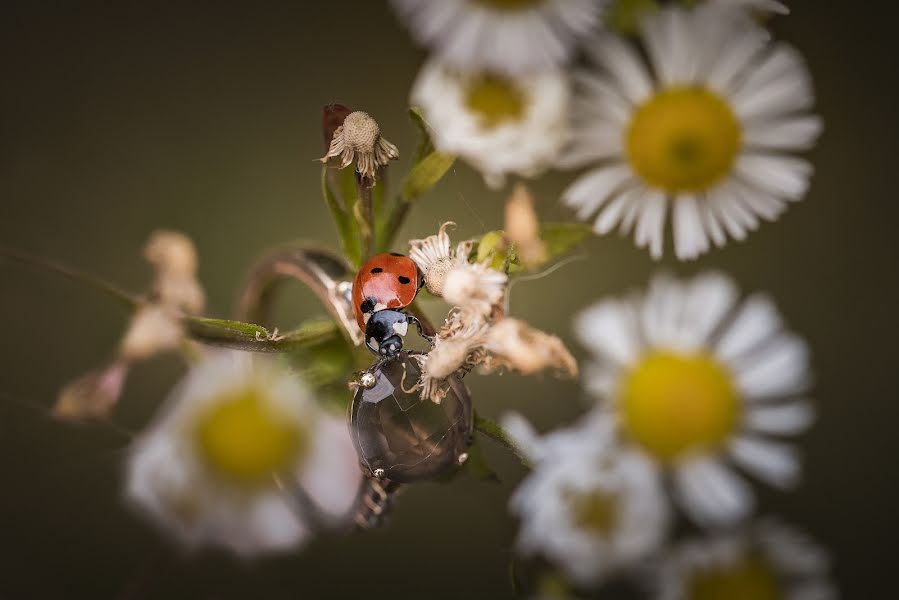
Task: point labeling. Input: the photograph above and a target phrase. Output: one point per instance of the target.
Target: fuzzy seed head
(360, 131)
(435, 275)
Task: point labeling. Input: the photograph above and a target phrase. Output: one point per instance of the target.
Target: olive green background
(117, 118)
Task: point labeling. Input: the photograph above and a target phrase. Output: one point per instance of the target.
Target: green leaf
(426, 173)
(349, 241)
(493, 247)
(255, 338)
(561, 238)
(426, 145)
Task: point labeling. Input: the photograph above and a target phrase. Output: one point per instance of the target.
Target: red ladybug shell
(392, 280)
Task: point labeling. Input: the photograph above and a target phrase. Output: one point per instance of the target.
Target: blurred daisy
(767, 562)
(587, 506)
(696, 380)
(707, 129)
(499, 124)
(506, 36)
(239, 437)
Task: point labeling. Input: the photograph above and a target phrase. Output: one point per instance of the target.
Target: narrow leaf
(426, 173)
(561, 238)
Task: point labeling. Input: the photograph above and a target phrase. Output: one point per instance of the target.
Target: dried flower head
(513, 344)
(475, 287)
(436, 258)
(359, 139)
(455, 350)
(522, 228)
(92, 395)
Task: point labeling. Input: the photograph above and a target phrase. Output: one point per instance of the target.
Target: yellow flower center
(508, 4)
(245, 440)
(594, 511)
(495, 100)
(683, 140)
(746, 580)
(673, 403)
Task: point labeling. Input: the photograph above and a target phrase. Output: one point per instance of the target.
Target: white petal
(791, 133)
(591, 190)
(625, 65)
(709, 298)
(734, 58)
(711, 494)
(784, 176)
(777, 86)
(609, 216)
(524, 434)
(610, 329)
(757, 322)
(772, 462)
(778, 369)
(651, 226)
(689, 236)
(785, 419)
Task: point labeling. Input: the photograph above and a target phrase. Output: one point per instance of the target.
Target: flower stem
(129, 300)
(341, 218)
(492, 430)
(367, 221)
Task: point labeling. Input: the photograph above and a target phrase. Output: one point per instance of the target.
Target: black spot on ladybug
(396, 254)
(404, 280)
(367, 305)
(377, 270)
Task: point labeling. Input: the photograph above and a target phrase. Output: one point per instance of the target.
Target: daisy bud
(171, 252)
(523, 229)
(359, 139)
(93, 394)
(153, 329)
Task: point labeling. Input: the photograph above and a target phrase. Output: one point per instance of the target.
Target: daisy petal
(773, 462)
(785, 419)
(711, 494)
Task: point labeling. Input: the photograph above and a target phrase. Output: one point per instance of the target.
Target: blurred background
(120, 118)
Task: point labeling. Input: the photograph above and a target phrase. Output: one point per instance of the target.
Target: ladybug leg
(418, 326)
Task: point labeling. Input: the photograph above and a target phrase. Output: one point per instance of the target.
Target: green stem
(395, 220)
(367, 224)
(348, 242)
(129, 300)
(496, 433)
(254, 338)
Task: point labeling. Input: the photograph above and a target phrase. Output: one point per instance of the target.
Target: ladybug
(383, 287)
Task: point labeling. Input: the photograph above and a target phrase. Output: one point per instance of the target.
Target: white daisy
(223, 463)
(765, 562)
(588, 506)
(696, 380)
(506, 36)
(499, 124)
(708, 129)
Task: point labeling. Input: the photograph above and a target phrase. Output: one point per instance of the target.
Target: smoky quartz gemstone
(403, 438)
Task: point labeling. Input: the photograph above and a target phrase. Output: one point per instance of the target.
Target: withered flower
(359, 139)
